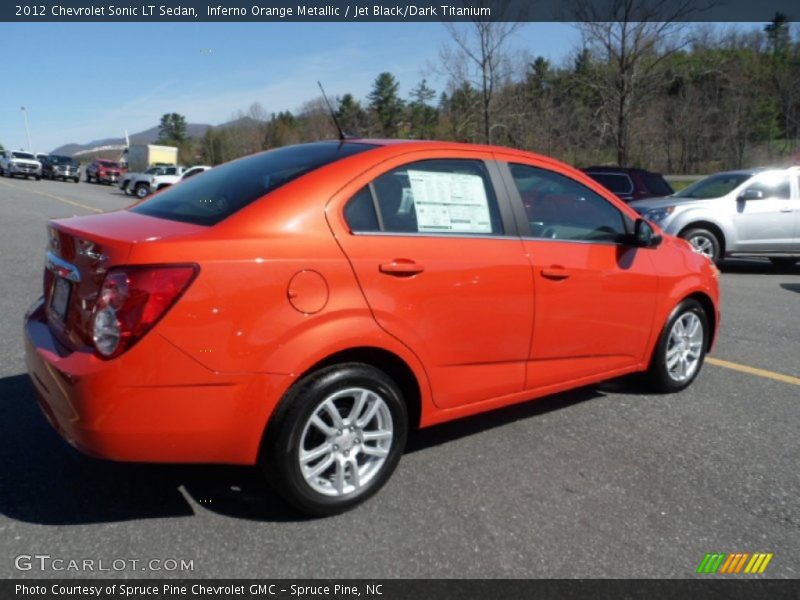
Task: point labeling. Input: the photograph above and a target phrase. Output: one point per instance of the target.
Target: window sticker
(454, 202)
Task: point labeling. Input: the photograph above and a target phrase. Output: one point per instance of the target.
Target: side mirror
(644, 236)
(751, 194)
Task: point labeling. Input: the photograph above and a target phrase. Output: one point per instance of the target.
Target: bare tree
(629, 40)
(479, 58)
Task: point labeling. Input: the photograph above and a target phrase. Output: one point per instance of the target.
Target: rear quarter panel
(237, 317)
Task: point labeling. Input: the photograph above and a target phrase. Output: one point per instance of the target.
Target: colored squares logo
(735, 563)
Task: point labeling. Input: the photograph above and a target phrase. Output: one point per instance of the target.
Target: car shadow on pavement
(448, 432)
(751, 266)
(792, 287)
(43, 480)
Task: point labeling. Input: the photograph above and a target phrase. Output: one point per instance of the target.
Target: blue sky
(85, 81)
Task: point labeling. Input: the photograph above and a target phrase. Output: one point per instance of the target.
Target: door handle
(401, 267)
(786, 209)
(555, 272)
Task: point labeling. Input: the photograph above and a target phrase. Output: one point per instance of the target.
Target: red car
(103, 171)
(301, 308)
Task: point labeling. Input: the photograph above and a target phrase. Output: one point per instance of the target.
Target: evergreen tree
(778, 37)
(351, 116)
(422, 116)
(386, 104)
(172, 129)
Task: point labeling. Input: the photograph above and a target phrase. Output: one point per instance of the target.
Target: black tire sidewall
(658, 373)
(283, 436)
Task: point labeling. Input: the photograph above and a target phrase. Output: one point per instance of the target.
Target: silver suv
(754, 212)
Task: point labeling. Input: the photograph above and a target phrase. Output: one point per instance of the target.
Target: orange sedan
(301, 308)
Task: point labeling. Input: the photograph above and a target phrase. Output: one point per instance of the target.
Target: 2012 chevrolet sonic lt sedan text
(301, 308)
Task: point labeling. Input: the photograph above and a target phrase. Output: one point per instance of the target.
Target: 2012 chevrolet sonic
(301, 308)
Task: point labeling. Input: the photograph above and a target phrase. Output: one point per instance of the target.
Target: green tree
(216, 146)
(422, 116)
(172, 129)
(282, 130)
(351, 116)
(464, 113)
(778, 37)
(2, 149)
(386, 104)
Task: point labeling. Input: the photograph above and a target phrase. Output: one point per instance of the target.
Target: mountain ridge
(148, 136)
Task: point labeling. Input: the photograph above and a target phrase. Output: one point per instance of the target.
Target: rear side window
(360, 212)
(226, 189)
(433, 197)
(560, 208)
(615, 182)
(657, 184)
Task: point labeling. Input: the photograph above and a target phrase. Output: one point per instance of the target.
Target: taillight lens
(132, 300)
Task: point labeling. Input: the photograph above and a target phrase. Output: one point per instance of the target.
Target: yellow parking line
(754, 371)
(54, 197)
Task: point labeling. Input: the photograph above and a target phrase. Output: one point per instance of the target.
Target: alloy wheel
(702, 245)
(346, 441)
(684, 347)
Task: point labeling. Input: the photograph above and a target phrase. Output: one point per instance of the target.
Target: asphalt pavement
(604, 481)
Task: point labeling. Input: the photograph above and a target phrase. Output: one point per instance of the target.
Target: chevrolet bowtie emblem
(89, 250)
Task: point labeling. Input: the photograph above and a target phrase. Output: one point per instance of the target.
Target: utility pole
(27, 129)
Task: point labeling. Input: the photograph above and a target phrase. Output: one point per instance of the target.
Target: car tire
(141, 191)
(37, 178)
(783, 262)
(703, 241)
(303, 422)
(681, 349)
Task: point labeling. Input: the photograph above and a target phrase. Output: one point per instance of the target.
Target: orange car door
(440, 264)
(595, 296)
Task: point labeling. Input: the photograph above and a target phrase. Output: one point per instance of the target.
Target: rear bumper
(152, 404)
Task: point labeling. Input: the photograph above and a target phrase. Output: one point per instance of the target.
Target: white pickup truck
(20, 163)
(156, 178)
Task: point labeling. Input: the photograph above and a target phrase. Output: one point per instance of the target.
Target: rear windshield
(619, 183)
(108, 163)
(222, 191)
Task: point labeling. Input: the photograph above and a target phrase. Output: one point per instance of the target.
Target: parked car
(131, 177)
(192, 171)
(102, 170)
(630, 184)
(302, 308)
(20, 163)
(753, 212)
(144, 184)
(61, 167)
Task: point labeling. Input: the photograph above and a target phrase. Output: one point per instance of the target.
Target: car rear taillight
(132, 300)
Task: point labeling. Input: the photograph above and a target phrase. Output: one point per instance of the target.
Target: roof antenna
(342, 136)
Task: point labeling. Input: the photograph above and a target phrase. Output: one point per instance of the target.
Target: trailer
(141, 157)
